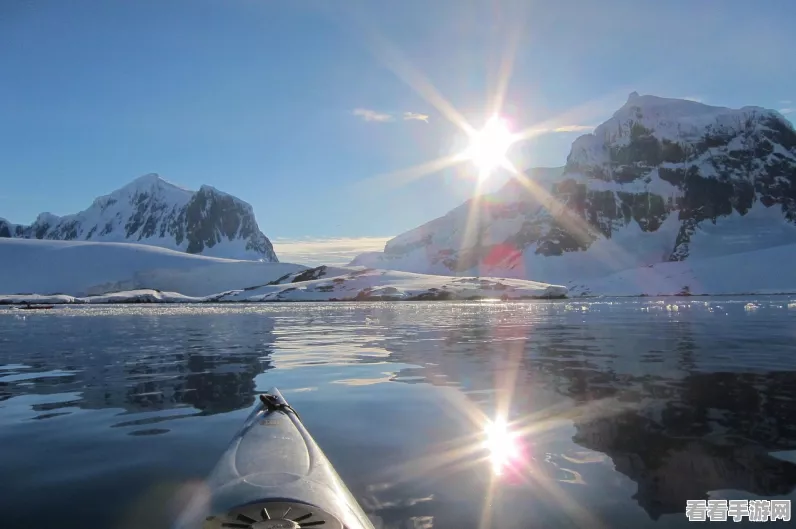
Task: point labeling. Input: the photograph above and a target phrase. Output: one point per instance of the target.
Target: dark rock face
(152, 211)
(653, 159)
(8, 230)
(740, 158)
(210, 217)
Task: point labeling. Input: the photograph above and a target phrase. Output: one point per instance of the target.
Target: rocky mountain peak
(150, 210)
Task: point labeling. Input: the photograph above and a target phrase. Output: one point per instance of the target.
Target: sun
(489, 146)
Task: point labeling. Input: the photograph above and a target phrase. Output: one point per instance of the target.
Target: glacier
(759, 272)
(81, 268)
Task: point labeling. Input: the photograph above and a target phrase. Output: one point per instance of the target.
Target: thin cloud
(384, 117)
(372, 115)
(786, 102)
(337, 251)
(695, 99)
(408, 116)
(788, 110)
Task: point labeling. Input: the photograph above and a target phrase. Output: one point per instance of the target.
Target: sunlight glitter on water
(95, 408)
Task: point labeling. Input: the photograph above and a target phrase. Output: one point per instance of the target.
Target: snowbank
(363, 284)
(354, 285)
(132, 296)
(38, 299)
(766, 271)
(93, 268)
(144, 296)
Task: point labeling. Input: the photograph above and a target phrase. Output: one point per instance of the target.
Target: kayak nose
(273, 475)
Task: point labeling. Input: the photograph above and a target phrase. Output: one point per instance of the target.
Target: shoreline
(40, 304)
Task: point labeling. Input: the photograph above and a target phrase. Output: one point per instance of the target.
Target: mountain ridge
(151, 210)
(651, 184)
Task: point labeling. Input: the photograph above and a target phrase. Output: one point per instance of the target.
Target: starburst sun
(489, 147)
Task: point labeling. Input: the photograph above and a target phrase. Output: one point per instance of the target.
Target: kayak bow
(273, 476)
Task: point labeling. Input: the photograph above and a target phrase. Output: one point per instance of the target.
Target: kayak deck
(274, 476)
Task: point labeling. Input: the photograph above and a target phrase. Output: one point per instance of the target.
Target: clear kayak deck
(273, 476)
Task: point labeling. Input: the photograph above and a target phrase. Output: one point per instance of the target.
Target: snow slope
(437, 246)
(151, 211)
(355, 285)
(364, 284)
(766, 271)
(89, 268)
(661, 180)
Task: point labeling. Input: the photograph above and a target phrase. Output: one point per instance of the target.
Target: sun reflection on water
(503, 445)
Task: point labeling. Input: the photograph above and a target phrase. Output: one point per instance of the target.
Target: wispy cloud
(330, 251)
(408, 116)
(695, 99)
(787, 110)
(372, 115)
(574, 128)
(786, 102)
(383, 117)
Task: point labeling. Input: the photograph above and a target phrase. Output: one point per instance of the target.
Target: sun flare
(489, 146)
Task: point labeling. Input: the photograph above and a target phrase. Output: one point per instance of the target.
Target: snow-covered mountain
(661, 180)
(151, 211)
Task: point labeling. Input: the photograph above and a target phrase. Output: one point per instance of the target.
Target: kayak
(273, 475)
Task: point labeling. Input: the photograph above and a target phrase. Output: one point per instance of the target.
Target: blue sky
(285, 104)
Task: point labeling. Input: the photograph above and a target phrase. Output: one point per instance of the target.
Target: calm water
(628, 408)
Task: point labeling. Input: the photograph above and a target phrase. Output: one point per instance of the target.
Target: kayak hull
(273, 476)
